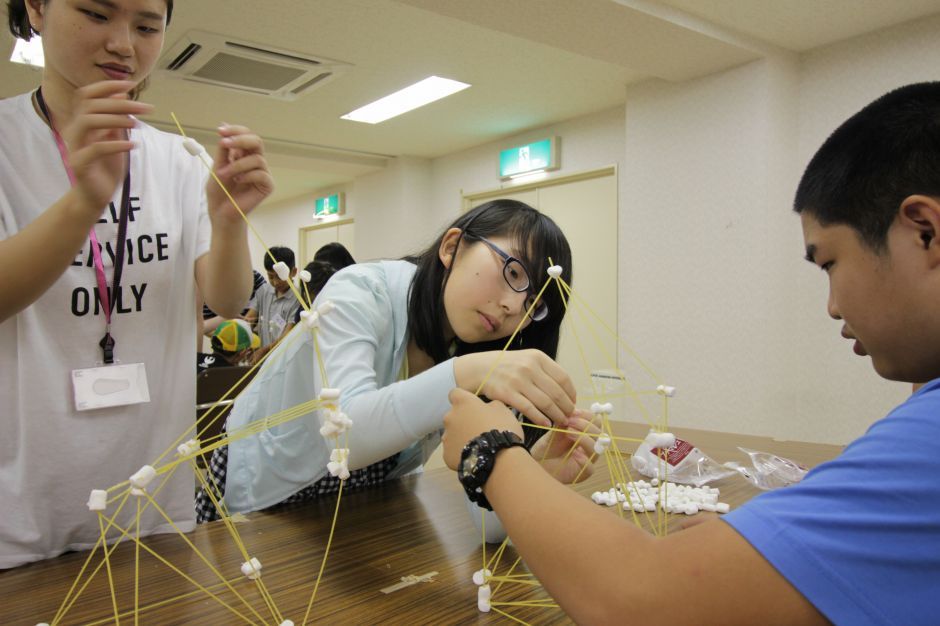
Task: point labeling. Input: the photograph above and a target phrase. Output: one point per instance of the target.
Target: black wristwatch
(477, 460)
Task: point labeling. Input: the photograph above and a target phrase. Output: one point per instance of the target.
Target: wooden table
(407, 527)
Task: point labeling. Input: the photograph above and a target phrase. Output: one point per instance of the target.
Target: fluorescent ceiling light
(28, 52)
(417, 95)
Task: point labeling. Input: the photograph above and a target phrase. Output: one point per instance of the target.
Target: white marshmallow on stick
(280, 268)
(142, 477)
(555, 271)
(98, 500)
(192, 146)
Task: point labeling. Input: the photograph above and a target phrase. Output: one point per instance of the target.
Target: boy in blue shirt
(858, 540)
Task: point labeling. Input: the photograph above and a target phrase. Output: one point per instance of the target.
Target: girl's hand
(240, 165)
(527, 380)
(96, 138)
(567, 456)
(468, 417)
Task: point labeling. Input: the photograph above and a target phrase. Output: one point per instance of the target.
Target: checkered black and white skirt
(218, 468)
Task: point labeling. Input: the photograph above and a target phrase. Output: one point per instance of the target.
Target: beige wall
(713, 291)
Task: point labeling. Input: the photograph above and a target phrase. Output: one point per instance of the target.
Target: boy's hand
(240, 165)
(468, 417)
(97, 141)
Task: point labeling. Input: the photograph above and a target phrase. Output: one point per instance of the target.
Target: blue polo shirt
(859, 537)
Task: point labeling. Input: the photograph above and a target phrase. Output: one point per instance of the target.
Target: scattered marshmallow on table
(643, 496)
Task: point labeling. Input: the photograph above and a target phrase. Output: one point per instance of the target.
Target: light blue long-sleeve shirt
(363, 342)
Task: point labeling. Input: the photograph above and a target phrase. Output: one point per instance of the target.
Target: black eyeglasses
(517, 278)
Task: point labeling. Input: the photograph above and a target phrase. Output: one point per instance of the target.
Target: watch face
(470, 462)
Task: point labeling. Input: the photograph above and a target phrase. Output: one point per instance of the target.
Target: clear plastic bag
(768, 471)
(680, 463)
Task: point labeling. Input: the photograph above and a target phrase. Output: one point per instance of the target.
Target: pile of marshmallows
(643, 496)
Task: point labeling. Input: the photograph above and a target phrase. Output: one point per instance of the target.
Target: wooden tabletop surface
(409, 527)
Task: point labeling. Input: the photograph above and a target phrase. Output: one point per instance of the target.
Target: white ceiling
(531, 63)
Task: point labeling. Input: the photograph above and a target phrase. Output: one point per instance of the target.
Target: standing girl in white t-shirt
(107, 227)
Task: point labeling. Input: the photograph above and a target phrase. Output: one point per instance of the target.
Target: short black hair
(536, 236)
(279, 253)
(878, 157)
(335, 254)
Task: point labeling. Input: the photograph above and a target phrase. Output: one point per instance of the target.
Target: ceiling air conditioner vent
(215, 60)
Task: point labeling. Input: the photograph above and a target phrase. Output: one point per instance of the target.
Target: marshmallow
(252, 569)
(722, 507)
(481, 576)
(188, 448)
(338, 470)
(305, 276)
(280, 268)
(602, 444)
(98, 500)
(608, 407)
(661, 440)
(142, 477)
(339, 454)
(329, 393)
(325, 307)
(310, 319)
(555, 271)
(287, 622)
(654, 482)
(140, 493)
(597, 408)
(665, 390)
(483, 598)
(192, 146)
(329, 429)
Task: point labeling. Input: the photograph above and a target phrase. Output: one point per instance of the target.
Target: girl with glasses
(402, 335)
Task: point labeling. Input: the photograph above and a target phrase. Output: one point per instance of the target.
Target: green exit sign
(329, 205)
(532, 157)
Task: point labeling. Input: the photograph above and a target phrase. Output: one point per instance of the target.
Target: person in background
(274, 304)
(335, 254)
(210, 321)
(232, 343)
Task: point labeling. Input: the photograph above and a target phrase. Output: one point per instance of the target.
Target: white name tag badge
(111, 385)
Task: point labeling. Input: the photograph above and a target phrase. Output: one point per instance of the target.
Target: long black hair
(537, 238)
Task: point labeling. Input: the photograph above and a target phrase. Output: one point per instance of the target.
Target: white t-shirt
(52, 456)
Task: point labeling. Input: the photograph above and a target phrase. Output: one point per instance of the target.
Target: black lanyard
(106, 297)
